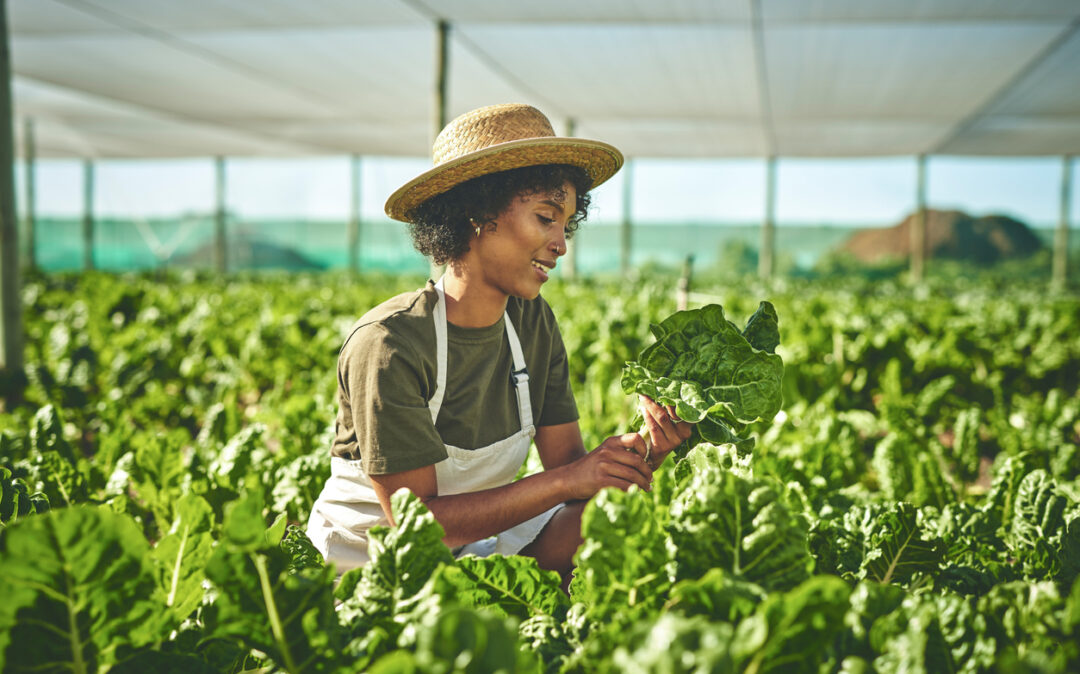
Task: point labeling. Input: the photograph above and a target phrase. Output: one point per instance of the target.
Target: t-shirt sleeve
(387, 387)
(559, 404)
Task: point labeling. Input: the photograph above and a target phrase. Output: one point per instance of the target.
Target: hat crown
(491, 125)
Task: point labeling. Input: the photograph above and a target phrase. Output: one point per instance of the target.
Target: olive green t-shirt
(387, 374)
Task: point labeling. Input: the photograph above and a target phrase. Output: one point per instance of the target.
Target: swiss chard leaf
(302, 554)
(379, 597)
(707, 369)
(182, 554)
(717, 595)
(403, 558)
(618, 581)
(791, 631)
(78, 589)
(896, 549)
(673, 643)
(737, 524)
(1042, 536)
(878, 542)
(513, 586)
(263, 603)
(16, 500)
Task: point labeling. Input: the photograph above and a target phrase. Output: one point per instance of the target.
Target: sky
(848, 192)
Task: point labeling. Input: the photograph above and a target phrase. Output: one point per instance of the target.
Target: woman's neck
(470, 304)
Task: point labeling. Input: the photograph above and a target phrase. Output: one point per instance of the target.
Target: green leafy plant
(716, 376)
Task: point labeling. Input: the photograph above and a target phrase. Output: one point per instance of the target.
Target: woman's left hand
(666, 430)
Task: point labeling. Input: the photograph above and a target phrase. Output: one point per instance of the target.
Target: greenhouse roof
(677, 78)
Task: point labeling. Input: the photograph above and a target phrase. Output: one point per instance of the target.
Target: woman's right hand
(611, 465)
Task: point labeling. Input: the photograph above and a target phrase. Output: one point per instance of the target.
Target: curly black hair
(440, 226)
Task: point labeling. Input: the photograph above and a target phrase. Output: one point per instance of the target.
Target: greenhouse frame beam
(1059, 274)
(442, 87)
(88, 215)
(11, 350)
(354, 214)
(442, 78)
(1002, 92)
(220, 248)
(30, 217)
(917, 242)
(626, 234)
(768, 224)
(571, 247)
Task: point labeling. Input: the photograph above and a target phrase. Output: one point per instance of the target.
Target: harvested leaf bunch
(717, 376)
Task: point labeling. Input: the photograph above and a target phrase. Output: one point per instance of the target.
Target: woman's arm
(476, 515)
(562, 444)
(559, 445)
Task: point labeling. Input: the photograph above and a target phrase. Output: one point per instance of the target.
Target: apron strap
(435, 404)
(520, 379)
(519, 376)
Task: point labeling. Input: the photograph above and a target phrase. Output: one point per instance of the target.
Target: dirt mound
(247, 252)
(949, 234)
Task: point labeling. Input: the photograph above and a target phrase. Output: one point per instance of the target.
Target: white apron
(348, 506)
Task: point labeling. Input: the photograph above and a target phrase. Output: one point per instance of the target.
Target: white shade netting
(691, 78)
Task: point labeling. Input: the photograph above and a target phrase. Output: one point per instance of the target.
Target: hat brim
(600, 161)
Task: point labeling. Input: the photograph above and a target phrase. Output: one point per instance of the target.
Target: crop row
(915, 505)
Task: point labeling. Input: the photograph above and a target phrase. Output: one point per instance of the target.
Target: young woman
(443, 390)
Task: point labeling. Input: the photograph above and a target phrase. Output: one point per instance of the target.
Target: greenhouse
(821, 282)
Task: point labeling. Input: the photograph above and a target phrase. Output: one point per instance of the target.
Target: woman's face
(517, 255)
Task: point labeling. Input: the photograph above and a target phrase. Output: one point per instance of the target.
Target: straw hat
(498, 138)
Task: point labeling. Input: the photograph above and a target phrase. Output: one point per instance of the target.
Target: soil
(951, 235)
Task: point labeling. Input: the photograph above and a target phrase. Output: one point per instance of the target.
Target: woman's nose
(559, 244)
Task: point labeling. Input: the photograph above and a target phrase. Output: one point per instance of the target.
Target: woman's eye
(546, 221)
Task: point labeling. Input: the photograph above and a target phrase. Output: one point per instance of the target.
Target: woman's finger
(660, 424)
(635, 459)
(632, 441)
(629, 467)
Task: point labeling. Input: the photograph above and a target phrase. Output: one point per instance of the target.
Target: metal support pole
(88, 214)
(11, 350)
(1059, 275)
(220, 249)
(30, 220)
(354, 215)
(768, 225)
(442, 82)
(626, 238)
(682, 291)
(571, 245)
(918, 224)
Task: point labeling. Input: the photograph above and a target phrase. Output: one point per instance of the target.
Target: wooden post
(1059, 275)
(88, 214)
(626, 239)
(918, 224)
(220, 248)
(11, 350)
(354, 215)
(768, 225)
(30, 220)
(571, 245)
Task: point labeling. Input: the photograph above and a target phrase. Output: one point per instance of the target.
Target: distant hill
(949, 234)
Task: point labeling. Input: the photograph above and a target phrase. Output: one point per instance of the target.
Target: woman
(442, 390)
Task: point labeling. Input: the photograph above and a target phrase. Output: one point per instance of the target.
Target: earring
(475, 226)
